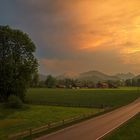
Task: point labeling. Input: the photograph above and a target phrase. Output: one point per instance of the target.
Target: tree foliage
(17, 62)
(35, 80)
(50, 81)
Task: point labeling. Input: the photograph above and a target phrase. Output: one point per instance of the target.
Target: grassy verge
(129, 131)
(51, 130)
(83, 97)
(13, 121)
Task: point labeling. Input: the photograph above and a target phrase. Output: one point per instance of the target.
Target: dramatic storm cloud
(79, 35)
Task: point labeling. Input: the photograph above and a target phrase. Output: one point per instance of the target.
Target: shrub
(14, 102)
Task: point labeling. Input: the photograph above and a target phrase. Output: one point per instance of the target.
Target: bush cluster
(14, 102)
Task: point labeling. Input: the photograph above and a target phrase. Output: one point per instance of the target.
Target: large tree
(17, 62)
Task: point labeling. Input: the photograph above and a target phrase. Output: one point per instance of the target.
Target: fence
(33, 131)
(71, 105)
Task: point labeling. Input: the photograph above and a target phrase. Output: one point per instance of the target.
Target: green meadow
(129, 131)
(83, 97)
(13, 121)
(52, 105)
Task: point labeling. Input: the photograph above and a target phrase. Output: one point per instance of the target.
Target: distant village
(69, 83)
(79, 85)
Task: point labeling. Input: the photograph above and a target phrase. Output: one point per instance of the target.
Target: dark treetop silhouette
(17, 62)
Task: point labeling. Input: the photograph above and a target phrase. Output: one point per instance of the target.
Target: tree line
(53, 82)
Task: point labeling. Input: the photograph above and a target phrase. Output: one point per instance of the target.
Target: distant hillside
(42, 77)
(137, 77)
(71, 75)
(124, 76)
(96, 76)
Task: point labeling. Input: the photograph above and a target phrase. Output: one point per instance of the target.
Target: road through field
(96, 128)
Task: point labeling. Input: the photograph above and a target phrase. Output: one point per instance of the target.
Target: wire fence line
(101, 106)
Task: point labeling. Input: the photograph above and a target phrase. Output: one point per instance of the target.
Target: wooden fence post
(30, 131)
(63, 121)
(49, 125)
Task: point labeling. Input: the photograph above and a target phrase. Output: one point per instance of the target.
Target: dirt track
(96, 128)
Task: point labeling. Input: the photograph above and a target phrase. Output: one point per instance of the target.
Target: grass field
(130, 131)
(38, 113)
(83, 97)
(12, 121)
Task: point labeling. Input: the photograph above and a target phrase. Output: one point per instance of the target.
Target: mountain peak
(71, 75)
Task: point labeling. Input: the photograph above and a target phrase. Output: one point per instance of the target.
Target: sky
(79, 35)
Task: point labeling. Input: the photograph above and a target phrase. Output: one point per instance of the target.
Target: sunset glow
(83, 34)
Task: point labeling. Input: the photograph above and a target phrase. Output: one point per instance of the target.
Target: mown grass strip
(129, 131)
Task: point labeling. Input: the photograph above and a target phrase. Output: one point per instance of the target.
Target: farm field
(48, 105)
(99, 98)
(129, 131)
(13, 121)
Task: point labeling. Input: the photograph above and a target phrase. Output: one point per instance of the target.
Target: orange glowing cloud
(110, 25)
(102, 34)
